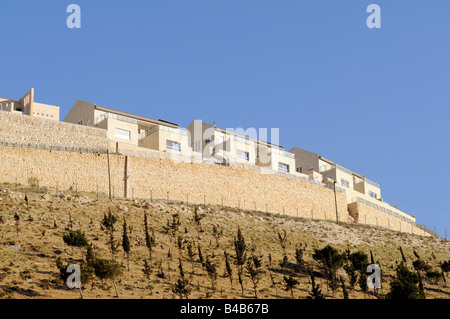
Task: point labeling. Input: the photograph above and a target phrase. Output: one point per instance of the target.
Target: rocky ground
(31, 239)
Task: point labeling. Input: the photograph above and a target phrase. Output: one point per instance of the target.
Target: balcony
(368, 181)
(179, 131)
(115, 116)
(269, 151)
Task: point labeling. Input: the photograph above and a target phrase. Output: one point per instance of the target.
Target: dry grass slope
(29, 247)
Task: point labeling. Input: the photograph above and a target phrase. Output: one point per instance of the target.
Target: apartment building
(324, 170)
(216, 145)
(131, 131)
(237, 146)
(275, 157)
(26, 105)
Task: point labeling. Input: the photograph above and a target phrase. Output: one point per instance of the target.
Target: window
(208, 140)
(124, 134)
(242, 155)
(81, 123)
(171, 145)
(372, 194)
(299, 169)
(283, 167)
(345, 183)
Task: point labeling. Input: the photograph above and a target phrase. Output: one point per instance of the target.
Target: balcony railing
(178, 131)
(242, 140)
(117, 117)
(344, 169)
(266, 151)
(371, 182)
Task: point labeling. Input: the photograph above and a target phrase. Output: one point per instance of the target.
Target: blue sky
(373, 100)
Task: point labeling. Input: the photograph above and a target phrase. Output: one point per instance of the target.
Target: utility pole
(335, 202)
(125, 178)
(109, 174)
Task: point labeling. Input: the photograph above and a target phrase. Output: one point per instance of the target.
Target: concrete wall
(50, 112)
(367, 215)
(184, 181)
(18, 128)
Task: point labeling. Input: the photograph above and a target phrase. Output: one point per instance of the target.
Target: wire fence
(170, 156)
(190, 159)
(49, 147)
(395, 214)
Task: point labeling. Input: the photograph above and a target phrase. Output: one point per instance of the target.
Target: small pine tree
(180, 243)
(197, 217)
(150, 241)
(107, 269)
(290, 283)
(403, 255)
(76, 239)
(434, 276)
(173, 225)
(191, 255)
(17, 219)
(126, 243)
(228, 269)
(254, 271)
(316, 292)
(282, 240)
(299, 258)
(211, 270)
(217, 233)
(405, 284)
(147, 270)
(108, 223)
(241, 255)
(331, 260)
(200, 255)
(445, 268)
(344, 289)
(181, 287)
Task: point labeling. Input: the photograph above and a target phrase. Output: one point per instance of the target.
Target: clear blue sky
(375, 101)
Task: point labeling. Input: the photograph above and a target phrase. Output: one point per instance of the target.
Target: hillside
(30, 246)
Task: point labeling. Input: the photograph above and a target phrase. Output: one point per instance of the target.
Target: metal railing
(179, 131)
(117, 117)
(371, 182)
(344, 169)
(284, 153)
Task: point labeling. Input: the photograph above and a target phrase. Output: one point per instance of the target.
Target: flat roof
(9, 99)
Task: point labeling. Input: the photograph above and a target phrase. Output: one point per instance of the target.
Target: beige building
(237, 146)
(358, 188)
(216, 145)
(27, 106)
(131, 131)
(324, 170)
